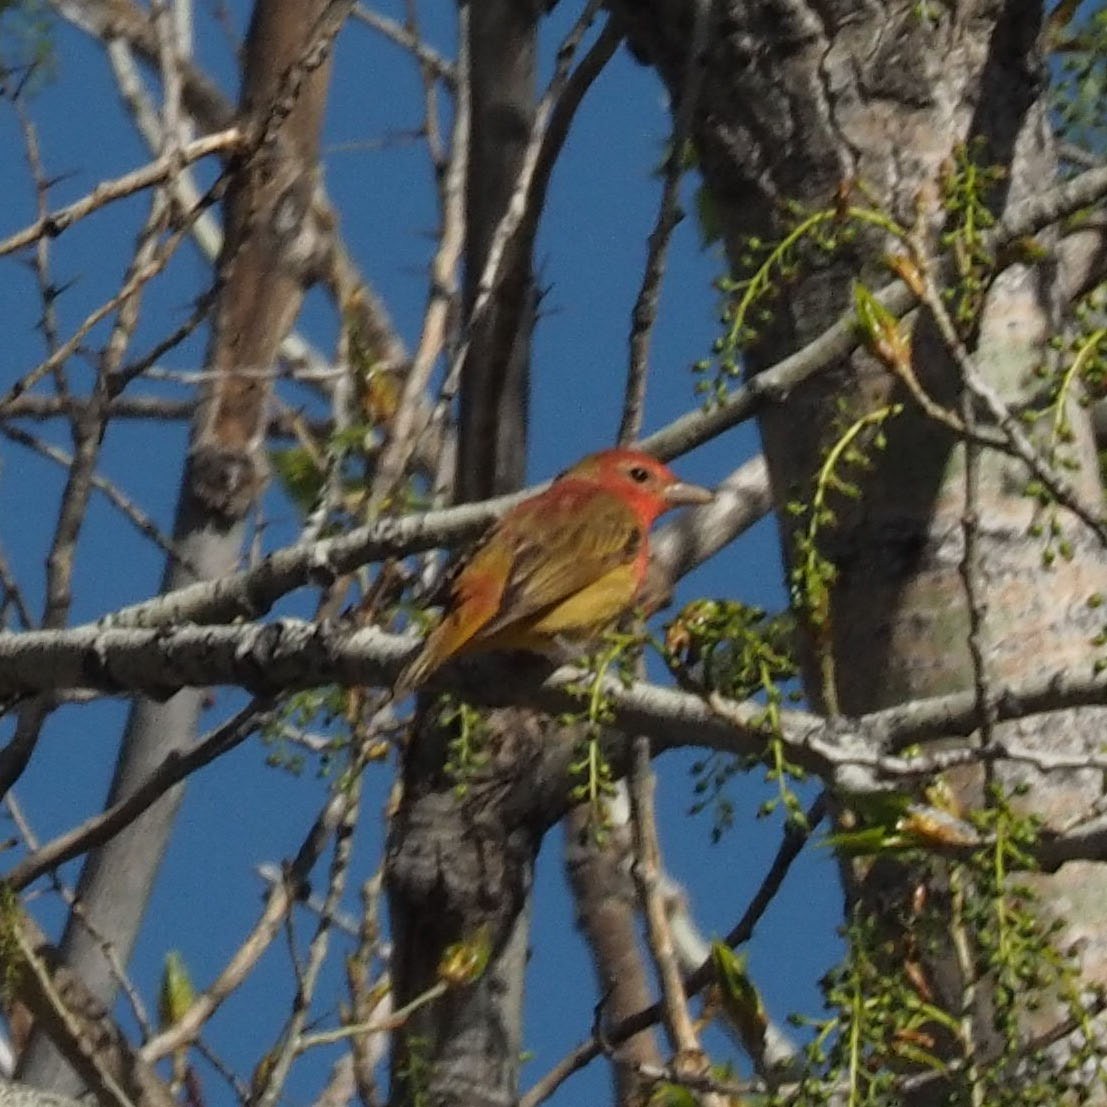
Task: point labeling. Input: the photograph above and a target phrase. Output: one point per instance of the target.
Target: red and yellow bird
(560, 567)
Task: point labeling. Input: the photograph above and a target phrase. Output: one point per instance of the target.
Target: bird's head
(648, 484)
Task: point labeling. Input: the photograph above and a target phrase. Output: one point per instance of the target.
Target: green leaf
(176, 994)
(299, 476)
(707, 214)
(672, 1095)
(740, 998)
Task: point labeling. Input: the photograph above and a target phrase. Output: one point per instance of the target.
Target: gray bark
(496, 374)
(799, 100)
(265, 261)
(462, 869)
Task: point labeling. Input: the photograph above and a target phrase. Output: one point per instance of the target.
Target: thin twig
(53, 223)
(668, 215)
(563, 112)
(282, 422)
(142, 522)
(238, 1088)
(108, 1087)
(48, 291)
(375, 1026)
(970, 570)
(174, 768)
(369, 1000)
(777, 382)
(523, 207)
(428, 58)
(432, 128)
(564, 108)
(40, 408)
(206, 231)
(690, 1057)
(13, 596)
(107, 946)
(88, 431)
(791, 845)
(967, 968)
(182, 184)
(406, 424)
(293, 1033)
(980, 390)
(138, 279)
(277, 906)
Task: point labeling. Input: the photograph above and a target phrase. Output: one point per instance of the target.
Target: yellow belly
(581, 617)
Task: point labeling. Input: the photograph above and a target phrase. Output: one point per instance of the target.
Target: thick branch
(289, 654)
(691, 538)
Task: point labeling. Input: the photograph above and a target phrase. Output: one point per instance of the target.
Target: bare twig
(410, 417)
(30, 962)
(794, 840)
(380, 1025)
(175, 767)
(142, 522)
(53, 223)
(338, 271)
(157, 408)
(40, 408)
(48, 291)
(182, 186)
(645, 306)
(519, 205)
(428, 58)
(139, 277)
(13, 597)
(293, 1034)
(107, 947)
(690, 1057)
(277, 906)
(432, 128)
(88, 432)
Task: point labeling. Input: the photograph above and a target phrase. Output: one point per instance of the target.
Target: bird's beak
(681, 493)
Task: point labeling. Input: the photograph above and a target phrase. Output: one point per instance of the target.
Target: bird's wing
(539, 555)
(577, 539)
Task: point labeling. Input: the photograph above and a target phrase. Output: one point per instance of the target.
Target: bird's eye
(640, 474)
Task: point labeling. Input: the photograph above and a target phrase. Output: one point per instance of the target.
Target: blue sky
(238, 813)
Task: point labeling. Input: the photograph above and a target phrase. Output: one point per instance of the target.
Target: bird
(559, 568)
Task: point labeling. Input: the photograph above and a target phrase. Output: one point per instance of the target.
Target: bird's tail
(453, 635)
(417, 670)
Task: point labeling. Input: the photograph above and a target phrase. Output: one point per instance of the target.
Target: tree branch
(776, 383)
(854, 754)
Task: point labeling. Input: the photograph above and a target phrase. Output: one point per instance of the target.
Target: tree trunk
(265, 262)
(799, 103)
(492, 446)
(460, 867)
